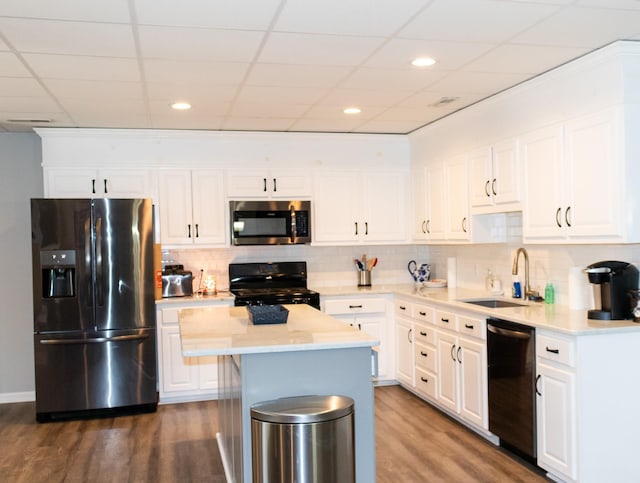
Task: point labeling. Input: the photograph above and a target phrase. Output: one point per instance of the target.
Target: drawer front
(426, 383)
(472, 327)
(425, 357)
(423, 313)
(355, 306)
(425, 334)
(170, 316)
(556, 349)
(446, 320)
(404, 308)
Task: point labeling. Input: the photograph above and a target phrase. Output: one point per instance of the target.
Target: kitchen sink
(493, 303)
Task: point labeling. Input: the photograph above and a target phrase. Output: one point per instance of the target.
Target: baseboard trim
(14, 397)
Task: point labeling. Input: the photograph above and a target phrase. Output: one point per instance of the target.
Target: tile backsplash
(334, 266)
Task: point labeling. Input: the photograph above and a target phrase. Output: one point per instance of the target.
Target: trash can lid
(303, 409)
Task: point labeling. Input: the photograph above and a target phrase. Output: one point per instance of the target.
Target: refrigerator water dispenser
(58, 273)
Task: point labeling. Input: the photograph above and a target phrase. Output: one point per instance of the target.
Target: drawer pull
(424, 379)
(423, 313)
(423, 354)
(423, 334)
(446, 321)
(537, 381)
(468, 326)
(402, 307)
(553, 351)
(355, 306)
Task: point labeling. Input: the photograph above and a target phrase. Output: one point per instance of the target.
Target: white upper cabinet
(192, 207)
(98, 183)
(283, 183)
(494, 178)
(352, 206)
(575, 182)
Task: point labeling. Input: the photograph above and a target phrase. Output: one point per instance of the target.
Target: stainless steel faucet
(528, 293)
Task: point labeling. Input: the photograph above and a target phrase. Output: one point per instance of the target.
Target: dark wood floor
(414, 443)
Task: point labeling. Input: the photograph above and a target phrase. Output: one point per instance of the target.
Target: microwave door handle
(294, 233)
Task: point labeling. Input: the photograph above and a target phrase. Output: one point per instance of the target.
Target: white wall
(20, 180)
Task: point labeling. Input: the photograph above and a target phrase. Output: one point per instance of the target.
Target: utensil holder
(364, 278)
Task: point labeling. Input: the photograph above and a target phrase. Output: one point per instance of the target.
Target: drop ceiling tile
(322, 125)
(215, 73)
(308, 49)
(257, 124)
(62, 37)
(11, 66)
(28, 104)
(524, 59)
(388, 127)
(83, 67)
(429, 98)
(197, 116)
(459, 83)
(398, 54)
(488, 21)
(268, 109)
(111, 11)
(296, 75)
(228, 14)
(615, 4)
(21, 87)
(331, 112)
(89, 90)
(391, 79)
(208, 123)
(284, 95)
(354, 17)
(178, 43)
(364, 97)
(198, 94)
(582, 28)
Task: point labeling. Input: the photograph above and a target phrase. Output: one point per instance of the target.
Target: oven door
(269, 222)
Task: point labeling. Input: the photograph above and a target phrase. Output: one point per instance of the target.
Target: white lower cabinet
(404, 337)
(370, 314)
(556, 405)
(182, 378)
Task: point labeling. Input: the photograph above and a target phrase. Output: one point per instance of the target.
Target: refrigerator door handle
(99, 274)
(95, 340)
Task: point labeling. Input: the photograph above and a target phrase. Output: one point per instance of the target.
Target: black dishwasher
(511, 376)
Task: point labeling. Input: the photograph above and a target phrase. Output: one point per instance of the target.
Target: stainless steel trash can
(305, 439)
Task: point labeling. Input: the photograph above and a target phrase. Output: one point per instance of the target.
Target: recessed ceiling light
(180, 106)
(423, 62)
(352, 110)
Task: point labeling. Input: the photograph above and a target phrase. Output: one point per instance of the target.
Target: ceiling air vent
(29, 121)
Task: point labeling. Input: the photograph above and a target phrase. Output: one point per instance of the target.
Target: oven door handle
(294, 230)
(516, 334)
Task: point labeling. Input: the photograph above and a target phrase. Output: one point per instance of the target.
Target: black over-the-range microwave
(270, 222)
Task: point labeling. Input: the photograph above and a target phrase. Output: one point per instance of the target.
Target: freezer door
(124, 288)
(108, 370)
(61, 265)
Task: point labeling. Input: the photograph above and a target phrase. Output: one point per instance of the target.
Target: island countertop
(211, 331)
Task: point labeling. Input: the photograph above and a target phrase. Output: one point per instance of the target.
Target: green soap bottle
(549, 294)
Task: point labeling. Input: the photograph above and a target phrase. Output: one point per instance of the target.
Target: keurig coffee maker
(612, 282)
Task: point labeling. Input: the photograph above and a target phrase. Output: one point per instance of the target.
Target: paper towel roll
(580, 290)
(451, 272)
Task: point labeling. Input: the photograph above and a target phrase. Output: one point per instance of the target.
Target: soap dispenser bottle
(517, 288)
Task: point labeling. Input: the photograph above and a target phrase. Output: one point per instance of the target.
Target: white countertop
(196, 299)
(536, 314)
(210, 331)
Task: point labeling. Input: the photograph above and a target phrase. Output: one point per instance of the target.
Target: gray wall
(20, 180)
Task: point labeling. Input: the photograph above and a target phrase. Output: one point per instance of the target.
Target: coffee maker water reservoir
(612, 282)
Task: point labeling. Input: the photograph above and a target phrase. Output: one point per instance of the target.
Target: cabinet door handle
(359, 327)
(424, 379)
(493, 187)
(275, 186)
(446, 321)
(566, 216)
(366, 227)
(458, 354)
(356, 223)
(558, 211)
(423, 354)
(93, 186)
(355, 306)
(422, 313)
(409, 336)
(428, 228)
(464, 224)
(453, 357)
(105, 186)
(189, 230)
(402, 307)
(197, 231)
(264, 184)
(468, 326)
(486, 189)
(537, 381)
(424, 226)
(553, 351)
(423, 334)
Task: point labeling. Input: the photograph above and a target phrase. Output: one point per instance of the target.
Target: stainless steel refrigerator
(93, 306)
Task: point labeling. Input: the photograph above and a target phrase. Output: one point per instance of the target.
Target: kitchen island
(311, 354)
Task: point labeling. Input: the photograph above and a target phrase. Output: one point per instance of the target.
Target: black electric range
(271, 284)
